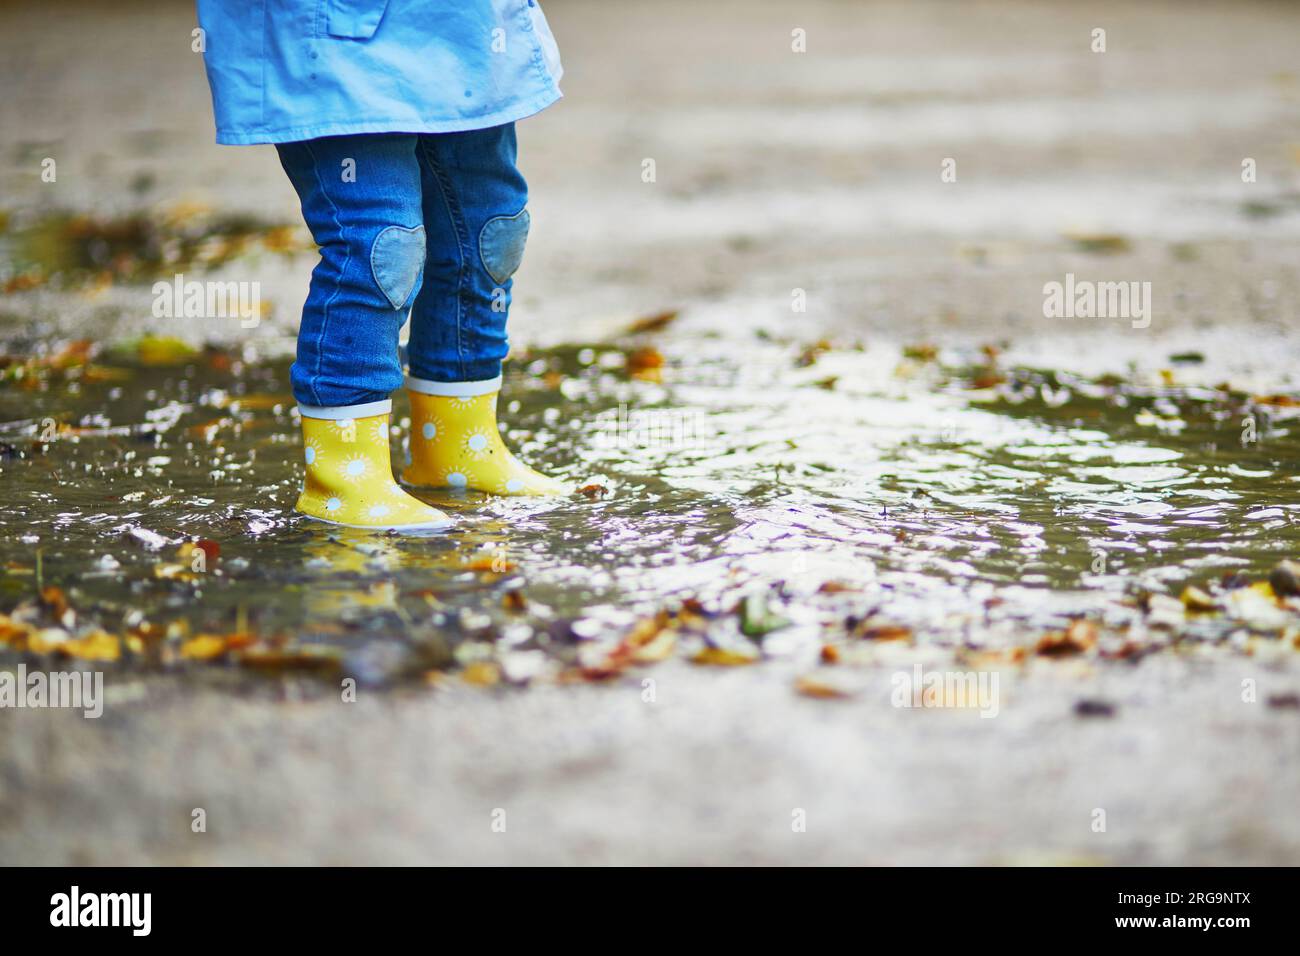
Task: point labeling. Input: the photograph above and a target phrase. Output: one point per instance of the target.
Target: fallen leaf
(811, 353)
(159, 351)
(54, 600)
(646, 364)
(721, 657)
(985, 658)
(924, 352)
(659, 648)
(837, 587)
(203, 647)
(1282, 401)
(495, 564)
(986, 378)
(653, 323)
(481, 674)
(1078, 638)
(95, 646)
(883, 632)
(1099, 242)
(756, 619)
(811, 686)
(304, 657)
(11, 630)
(1196, 600)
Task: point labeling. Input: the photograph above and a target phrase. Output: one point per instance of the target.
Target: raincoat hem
(293, 134)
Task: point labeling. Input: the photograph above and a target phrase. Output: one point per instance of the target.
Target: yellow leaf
(159, 350)
(722, 657)
(204, 647)
(46, 640)
(96, 646)
(1194, 599)
(481, 674)
(658, 648)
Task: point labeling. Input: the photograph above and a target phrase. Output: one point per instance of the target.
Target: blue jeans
(434, 223)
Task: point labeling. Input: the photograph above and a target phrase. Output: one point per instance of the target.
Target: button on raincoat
(288, 70)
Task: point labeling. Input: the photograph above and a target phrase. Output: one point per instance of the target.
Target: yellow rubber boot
(455, 442)
(350, 474)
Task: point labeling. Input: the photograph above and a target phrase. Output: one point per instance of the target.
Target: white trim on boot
(335, 413)
(453, 389)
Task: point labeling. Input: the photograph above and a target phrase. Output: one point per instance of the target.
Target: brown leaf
(1282, 401)
(593, 491)
(646, 364)
(837, 587)
(811, 686)
(653, 323)
(987, 378)
(53, 599)
(305, 657)
(1078, 638)
(885, 632)
(497, 565)
(811, 353)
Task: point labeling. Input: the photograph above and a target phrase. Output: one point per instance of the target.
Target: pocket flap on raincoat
(354, 19)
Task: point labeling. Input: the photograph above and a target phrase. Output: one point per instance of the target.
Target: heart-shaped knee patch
(396, 259)
(501, 245)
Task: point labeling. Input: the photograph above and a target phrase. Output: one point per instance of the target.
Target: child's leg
(361, 199)
(474, 211)
(474, 199)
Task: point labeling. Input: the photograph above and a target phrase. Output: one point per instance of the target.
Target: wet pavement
(840, 443)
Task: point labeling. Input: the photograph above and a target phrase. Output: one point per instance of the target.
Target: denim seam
(338, 283)
(462, 244)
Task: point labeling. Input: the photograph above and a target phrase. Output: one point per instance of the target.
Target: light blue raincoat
(286, 70)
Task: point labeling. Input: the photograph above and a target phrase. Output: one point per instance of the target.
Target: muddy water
(971, 503)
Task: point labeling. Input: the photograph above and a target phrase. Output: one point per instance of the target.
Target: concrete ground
(775, 171)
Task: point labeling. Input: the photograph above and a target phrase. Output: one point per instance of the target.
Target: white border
(336, 413)
(453, 389)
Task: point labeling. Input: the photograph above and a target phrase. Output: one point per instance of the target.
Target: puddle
(834, 495)
(72, 250)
